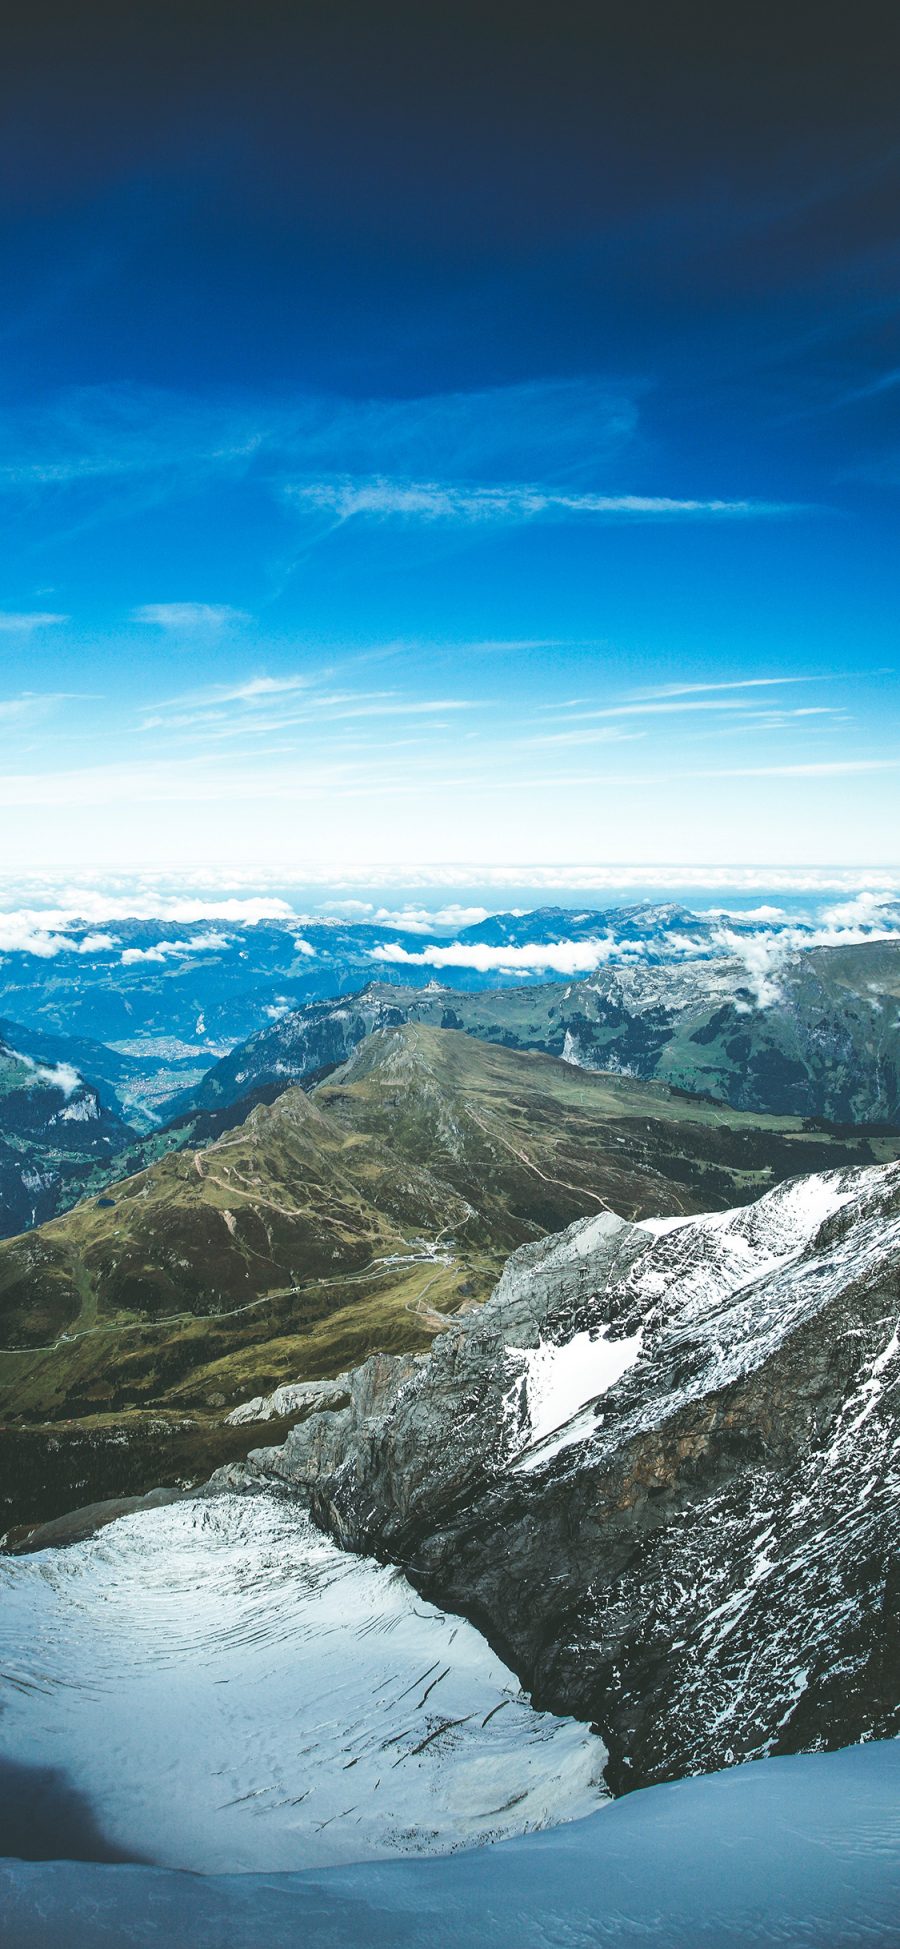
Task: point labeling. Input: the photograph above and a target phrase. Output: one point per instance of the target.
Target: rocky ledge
(659, 1470)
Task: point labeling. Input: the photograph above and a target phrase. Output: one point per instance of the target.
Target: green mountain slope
(332, 1223)
(816, 1036)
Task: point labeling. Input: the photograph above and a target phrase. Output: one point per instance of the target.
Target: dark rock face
(308, 1042)
(660, 1470)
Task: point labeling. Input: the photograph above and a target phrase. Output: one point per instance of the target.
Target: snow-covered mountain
(660, 1468)
(202, 985)
(659, 1471)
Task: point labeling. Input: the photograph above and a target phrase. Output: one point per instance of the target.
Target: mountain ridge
(659, 1469)
(824, 1042)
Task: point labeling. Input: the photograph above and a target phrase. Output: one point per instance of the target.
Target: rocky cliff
(660, 1470)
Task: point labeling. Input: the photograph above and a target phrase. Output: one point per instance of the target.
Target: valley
(449, 976)
(745, 1017)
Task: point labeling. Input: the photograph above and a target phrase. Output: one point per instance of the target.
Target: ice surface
(228, 1691)
(803, 1853)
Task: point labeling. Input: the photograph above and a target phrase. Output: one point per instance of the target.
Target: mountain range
(823, 1039)
(539, 1294)
(737, 1012)
(350, 1215)
(198, 986)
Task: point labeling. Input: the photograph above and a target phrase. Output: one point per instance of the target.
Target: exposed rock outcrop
(660, 1470)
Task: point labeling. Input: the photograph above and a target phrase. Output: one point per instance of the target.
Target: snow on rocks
(663, 1463)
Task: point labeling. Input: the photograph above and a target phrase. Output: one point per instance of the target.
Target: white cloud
(580, 877)
(34, 933)
(746, 913)
(865, 909)
(252, 691)
(763, 953)
(210, 891)
(381, 497)
(736, 683)
(28, 619)
(31, 703)
(408, 919)
(58, 1076)
(62, 1076)
(259, 687)
(167, 950)
(235, 710)
(47, 931)
(421, 920)
(558, 957)
(825, 768)
(187, 615)
(673, 706)
(146, 443)
(870, 917)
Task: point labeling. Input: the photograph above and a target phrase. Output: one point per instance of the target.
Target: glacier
(228, 1691)
(798, 1853)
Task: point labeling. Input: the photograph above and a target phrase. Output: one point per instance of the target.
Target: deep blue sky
(428, 433)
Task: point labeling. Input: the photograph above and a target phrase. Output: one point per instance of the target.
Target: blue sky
(454, 437)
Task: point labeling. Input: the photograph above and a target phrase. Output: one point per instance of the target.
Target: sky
(448, 434)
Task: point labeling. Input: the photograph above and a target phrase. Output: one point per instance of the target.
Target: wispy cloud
(825, 768)
(171, 950)
(187, 615)
(549, 428)
(24, 620)
(589, 734)
(252, 692)
(734, 683)
(231, 710)
(680, 706)
(32, 704)
(383, 498)
(216, 892)
(544, 450)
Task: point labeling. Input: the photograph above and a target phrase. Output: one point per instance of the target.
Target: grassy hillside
(330, 1223)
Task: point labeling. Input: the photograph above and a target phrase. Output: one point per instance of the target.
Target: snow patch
(561, 1380)
(86, 1110)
